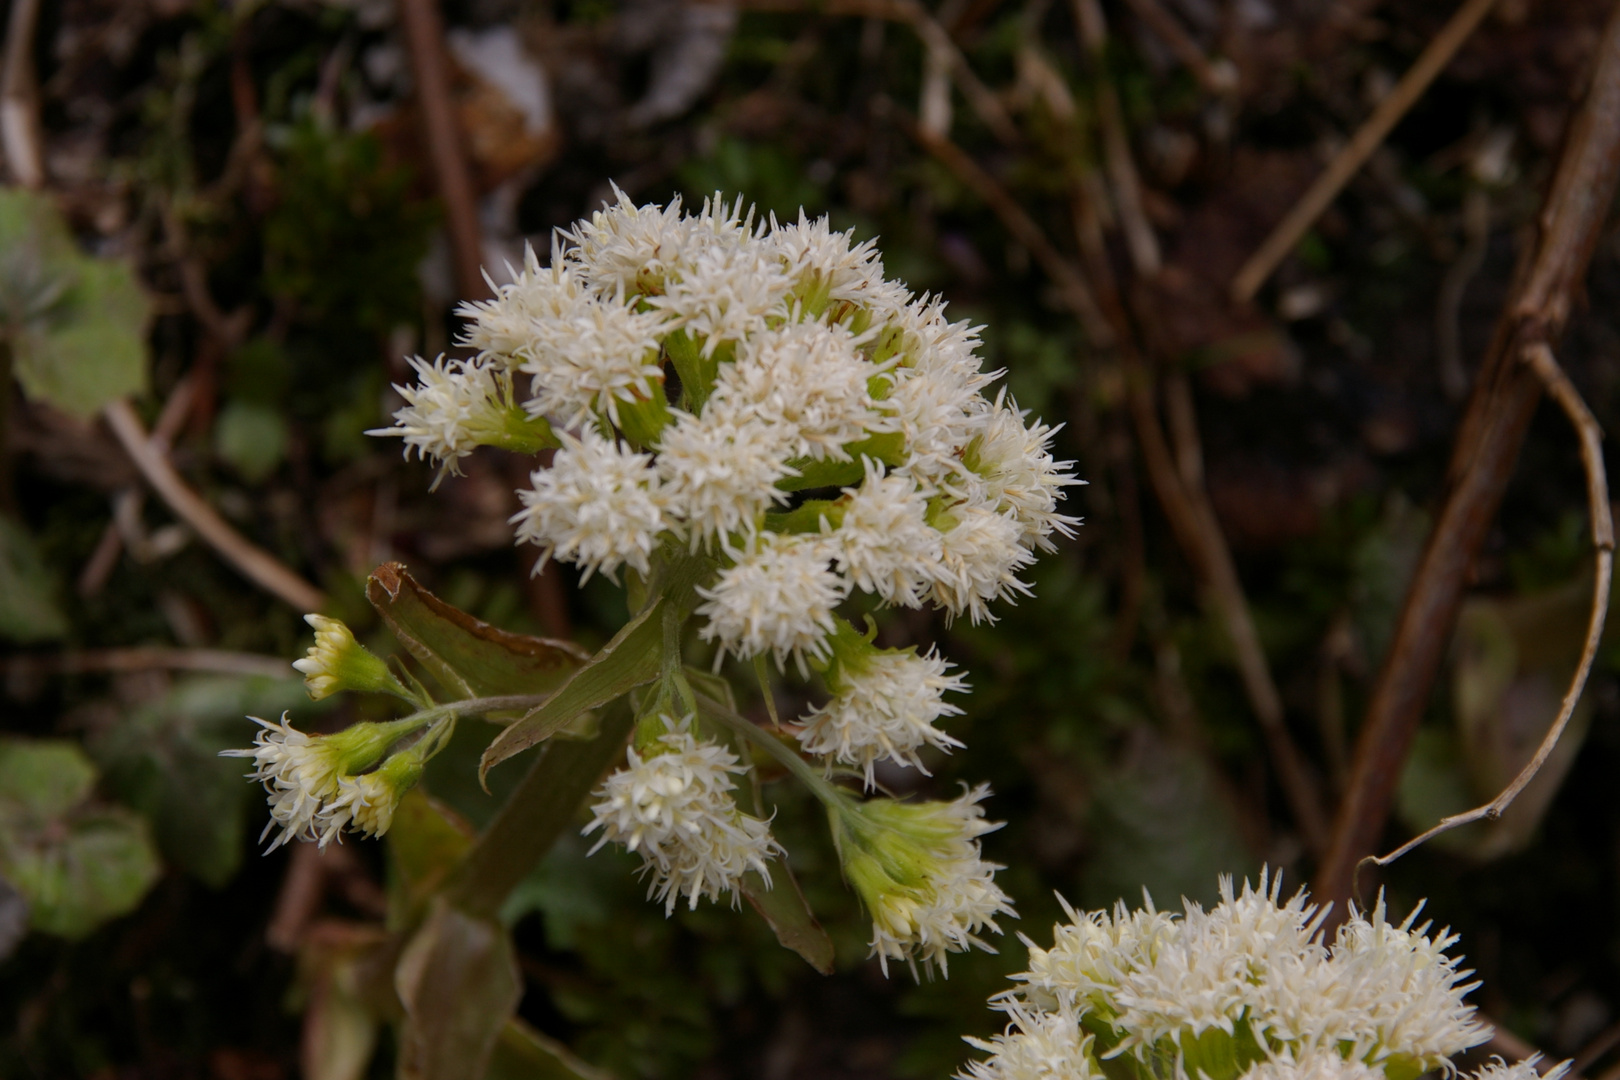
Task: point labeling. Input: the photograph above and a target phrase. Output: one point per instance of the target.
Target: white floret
(1020, 476)
(884, 544)
(980, 557)
(674, 807)
(724, 293)
(821, 261)
(502, 329)
(884, 708)
(720, 474)
(1036, 1046)
(599, 506)
(452, 401)
(591, 358)
(809, 382)
(778, 598)
(630, 249)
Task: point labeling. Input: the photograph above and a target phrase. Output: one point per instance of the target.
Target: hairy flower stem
(832, 796)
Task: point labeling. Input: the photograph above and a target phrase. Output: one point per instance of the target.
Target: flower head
(1250, 985)
(1036, 1046)
(674, 807)
(778, 597)
(458, 405)
(366, 803)
(918, 870)
(599, 506)
(884, 705)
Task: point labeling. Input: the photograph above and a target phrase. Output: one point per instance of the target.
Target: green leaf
(251, 438)
(91, 347)
(630, 660)
(458, 980)
(83, 871)
(43, 779)
(426, 839)
(522, 1053)
(163, 760)
(28, 609)
(782, 905)
(468, 656)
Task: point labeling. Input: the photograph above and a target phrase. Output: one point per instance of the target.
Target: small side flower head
(778, 598)
(883, 707)
(337, 662)
(458, 405)
(302, 772)
(366, 803)
(674, 807)
(918, 869)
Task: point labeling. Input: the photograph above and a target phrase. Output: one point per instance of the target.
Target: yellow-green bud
(338, 662)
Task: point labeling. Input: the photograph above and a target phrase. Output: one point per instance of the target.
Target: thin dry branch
(1349, 161)
(104, 559)
(20, 132)
(145, 658)
(256, 564)
(1217, 77)
(1076, 291)
(1506, 391)
(1541, 360)
(980, 98)
(1123, 178)
(430, 66)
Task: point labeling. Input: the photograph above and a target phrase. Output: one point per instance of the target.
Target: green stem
(542, 806)
(476, 707)
(833, 796)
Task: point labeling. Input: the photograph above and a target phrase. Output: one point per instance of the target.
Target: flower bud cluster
(317, 785)
(1248, 990)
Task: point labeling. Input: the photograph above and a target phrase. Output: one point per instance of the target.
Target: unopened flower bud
(338, 662)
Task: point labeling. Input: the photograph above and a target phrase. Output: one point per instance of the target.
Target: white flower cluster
(674, 807)
(705, 375)
(1247, 990)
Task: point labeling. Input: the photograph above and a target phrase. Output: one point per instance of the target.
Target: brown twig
(1217, 77)
(1505, 394)
(1447, 335)
(145, 658)
(1177, 477)
(430, 65)
(176, 409)
(980, 98)
(1076, 292)
(1540, 359)
(1123, 178)
(20, 132)
(256, 564)
(1348, 162)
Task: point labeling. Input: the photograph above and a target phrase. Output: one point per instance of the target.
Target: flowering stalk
(754, 424)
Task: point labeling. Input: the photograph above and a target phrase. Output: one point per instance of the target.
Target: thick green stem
(534, 817)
